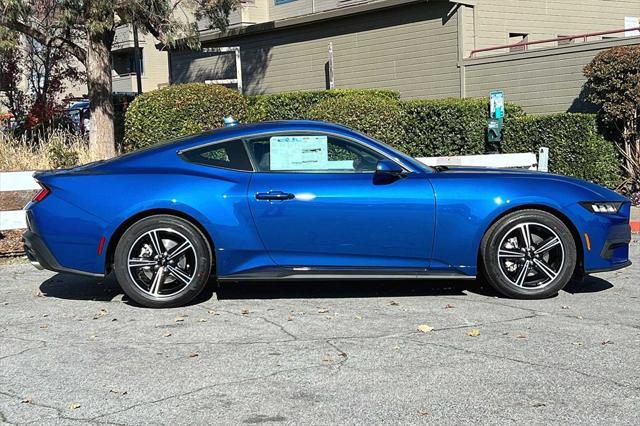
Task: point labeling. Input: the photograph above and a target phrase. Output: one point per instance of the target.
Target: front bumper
(40, 256)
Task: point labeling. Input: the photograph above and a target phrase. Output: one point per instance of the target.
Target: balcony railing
(524, 45)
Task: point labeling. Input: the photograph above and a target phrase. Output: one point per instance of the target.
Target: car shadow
(588, 284)
(75, 287)
(341, 289)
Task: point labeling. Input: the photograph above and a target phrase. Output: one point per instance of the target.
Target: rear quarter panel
(83, 207)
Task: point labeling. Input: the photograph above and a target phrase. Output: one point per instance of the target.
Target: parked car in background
(305, 200)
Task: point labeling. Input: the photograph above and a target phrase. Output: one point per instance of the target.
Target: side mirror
(389, 168)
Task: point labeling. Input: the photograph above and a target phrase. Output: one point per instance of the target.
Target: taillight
(44, 191)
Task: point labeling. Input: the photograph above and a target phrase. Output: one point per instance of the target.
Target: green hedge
(179, 110)
(296, 105)
(575, 146)
(376, 116)
(418, 127)
(442, 127)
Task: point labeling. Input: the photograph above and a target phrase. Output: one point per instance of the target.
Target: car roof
(242, 130)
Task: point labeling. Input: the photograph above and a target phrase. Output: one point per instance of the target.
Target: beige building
(423, 48)
(154, 63)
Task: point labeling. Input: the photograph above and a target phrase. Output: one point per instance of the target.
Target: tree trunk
(101, 132)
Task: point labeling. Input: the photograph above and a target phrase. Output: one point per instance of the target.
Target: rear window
(228, 155)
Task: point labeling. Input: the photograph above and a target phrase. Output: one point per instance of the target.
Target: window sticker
(298, 152)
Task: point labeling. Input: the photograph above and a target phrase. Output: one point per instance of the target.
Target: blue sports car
(305, 200)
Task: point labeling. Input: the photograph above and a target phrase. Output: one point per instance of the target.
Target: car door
(317, 201)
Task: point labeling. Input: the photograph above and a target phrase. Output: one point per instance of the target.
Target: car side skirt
(316, 273)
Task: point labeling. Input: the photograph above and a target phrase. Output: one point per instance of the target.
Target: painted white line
(17, 181)
(13, 219)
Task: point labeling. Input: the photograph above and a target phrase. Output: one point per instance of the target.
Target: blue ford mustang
(312, 200)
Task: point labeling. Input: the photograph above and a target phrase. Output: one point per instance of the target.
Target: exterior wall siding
(542, 80)
(412, 48)
(543, 19)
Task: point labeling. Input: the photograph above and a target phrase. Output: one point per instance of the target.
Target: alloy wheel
(162, 262)
(531, 255)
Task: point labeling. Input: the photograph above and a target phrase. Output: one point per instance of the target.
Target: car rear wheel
(529, 254)
(162, 261)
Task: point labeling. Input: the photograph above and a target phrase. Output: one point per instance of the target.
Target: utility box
(494, 130)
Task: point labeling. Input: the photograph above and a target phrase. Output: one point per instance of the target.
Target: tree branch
(59, 42)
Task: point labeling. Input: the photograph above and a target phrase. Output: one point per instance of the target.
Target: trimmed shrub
(376, 116)
(575, 146)
(442, 127)
(179, 110)
(296, 105)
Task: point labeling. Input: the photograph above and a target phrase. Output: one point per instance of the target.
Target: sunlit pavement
(71, 350)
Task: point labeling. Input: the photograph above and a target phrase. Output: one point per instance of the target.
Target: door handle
(274, 195)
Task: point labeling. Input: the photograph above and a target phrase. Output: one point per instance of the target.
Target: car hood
(600, 193)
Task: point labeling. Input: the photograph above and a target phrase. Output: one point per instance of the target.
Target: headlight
(602, 207)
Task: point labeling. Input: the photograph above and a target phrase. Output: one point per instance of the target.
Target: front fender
(468, 203)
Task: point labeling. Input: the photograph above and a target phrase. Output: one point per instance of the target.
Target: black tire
(152, 242)
(537, 274)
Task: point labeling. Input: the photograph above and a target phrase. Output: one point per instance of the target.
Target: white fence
(23, 181)
(15, 181)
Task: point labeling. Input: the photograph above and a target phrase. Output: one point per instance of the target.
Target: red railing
(525, 44)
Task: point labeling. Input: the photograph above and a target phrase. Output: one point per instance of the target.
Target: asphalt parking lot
(72, 350)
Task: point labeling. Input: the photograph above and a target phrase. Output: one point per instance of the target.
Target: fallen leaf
(44, 326)
(39, 293)
(93, 336)
(474, 332)
(579, 317)
(358, 317)
(449, 306)
(166, 334)
(193, 355)
(74, 406)
(179, 319)
(521, 336)
(212, 312)
(423, 412)
(289, 318)
(202, 320)
(395, 348)
(100, 314)
(323, 311)
(343, 355)
(564, 307)
(424, 328)
(245, 312)
(394, 303)
(27, 400)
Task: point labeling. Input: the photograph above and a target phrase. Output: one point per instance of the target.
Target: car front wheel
(162, 261)
(528, 254)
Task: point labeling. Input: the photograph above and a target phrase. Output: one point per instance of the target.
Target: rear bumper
(40, 256)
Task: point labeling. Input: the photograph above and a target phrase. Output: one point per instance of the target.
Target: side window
(311, 153)
(229, 155)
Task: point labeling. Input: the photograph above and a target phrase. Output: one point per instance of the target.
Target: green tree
(613, 83)
(85, 29)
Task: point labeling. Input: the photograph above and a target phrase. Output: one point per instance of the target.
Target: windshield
(400, 155)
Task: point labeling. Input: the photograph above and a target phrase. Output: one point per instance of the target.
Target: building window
(123, 62)
(279, 2)
(518, 38)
